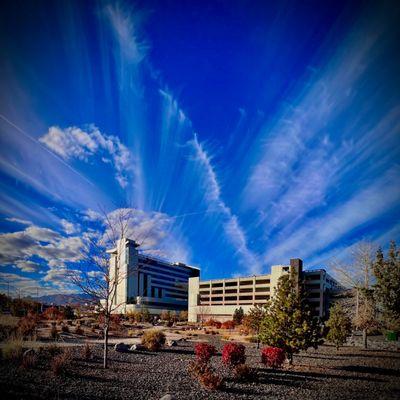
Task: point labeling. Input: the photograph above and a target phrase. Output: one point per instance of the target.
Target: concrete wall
(193, 298)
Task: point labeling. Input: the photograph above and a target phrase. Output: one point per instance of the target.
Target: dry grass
(12, 350)
(29, 361)
(153, 340)
(86, 352)
(60, 362)
(9, 320)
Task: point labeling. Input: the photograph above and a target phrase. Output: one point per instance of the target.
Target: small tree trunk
(365, 341)
(290, 358)
(105, 350)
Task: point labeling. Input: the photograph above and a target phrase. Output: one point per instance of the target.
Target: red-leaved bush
(204, 352)
(213, 322)
(233, 354)
(228, 325)
(273, 357)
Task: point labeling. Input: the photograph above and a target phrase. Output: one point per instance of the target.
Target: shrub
(153, 340)
(204, 352)
(27, 325)
(233, 354)
(244, 373)
(86, 352)
(52, 313)
(12, 350)
(79, 330)
(60, 363)
(183, 316)
(210, 380)
(53, 332)
(53, 349)
(228, 325)
(29, 361)
(65, 329)
(238, 316)
(273, 357)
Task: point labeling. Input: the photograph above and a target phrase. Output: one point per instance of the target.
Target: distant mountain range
(62, 299)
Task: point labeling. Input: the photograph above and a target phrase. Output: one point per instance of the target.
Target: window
(262, 297)
(204, 286)
(262, 289)
(246, 283)
(260, 281)
(219, 291)
(216, 299)
(246, 298)
(219, 284)
(230, 283)
(230, 298)
(248, 290)
(230, 290)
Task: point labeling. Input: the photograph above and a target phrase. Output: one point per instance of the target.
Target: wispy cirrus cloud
(125, 26)
(316, 234)
(324, 167)
(213, 198)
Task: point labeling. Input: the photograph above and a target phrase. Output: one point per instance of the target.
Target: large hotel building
(144, 281)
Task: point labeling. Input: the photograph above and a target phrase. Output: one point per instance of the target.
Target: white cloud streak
(213, 198)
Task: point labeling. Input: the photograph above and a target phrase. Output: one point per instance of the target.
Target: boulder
(121, 347)
(137, 347)
(167, 397)
(171, 343)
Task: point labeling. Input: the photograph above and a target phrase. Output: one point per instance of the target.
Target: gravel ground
(351, 373)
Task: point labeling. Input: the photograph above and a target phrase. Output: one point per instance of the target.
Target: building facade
(220, 298)
(144, 281)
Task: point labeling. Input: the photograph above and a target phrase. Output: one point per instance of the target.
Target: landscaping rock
(137, 347)
(121, 347)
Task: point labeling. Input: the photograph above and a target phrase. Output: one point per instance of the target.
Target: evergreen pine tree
(339, 325)
(387, 288)
(288, 323)
(254, 319)
(238, 316)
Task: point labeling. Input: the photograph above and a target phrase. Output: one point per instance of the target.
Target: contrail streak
(45, 148)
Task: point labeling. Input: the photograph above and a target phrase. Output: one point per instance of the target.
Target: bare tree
(202, 312)
(358, 274)
(95, 278)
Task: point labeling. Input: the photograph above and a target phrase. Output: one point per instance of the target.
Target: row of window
(234, 283)
(234, 298)
(241, 290)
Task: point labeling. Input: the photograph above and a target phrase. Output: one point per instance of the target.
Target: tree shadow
(307, 375)
(177, 351)
(370, 370)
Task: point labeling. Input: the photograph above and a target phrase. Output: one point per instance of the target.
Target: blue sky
(243, 134)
